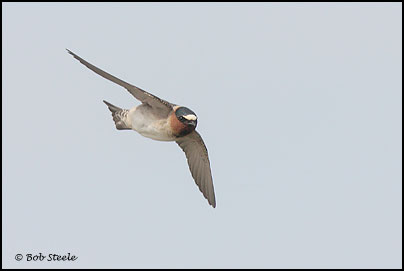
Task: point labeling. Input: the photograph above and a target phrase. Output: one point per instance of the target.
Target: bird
(160, 120)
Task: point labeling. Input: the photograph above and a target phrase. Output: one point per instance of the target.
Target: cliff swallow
(160, 120)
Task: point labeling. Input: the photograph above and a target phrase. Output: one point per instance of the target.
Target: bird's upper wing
(140, 94)
(198, 162)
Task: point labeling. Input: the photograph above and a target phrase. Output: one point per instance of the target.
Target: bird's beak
(191, 123)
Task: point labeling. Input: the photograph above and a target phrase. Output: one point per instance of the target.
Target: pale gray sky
(300, 106)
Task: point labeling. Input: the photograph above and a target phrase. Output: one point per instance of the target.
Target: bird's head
(187, 120)
(186, 116)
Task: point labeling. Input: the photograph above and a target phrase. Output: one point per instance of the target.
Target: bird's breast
(146, 123)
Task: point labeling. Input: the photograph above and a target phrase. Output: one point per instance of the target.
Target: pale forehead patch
(190, 117)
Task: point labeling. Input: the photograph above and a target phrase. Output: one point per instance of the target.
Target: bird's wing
(198, 162)
(140, 94)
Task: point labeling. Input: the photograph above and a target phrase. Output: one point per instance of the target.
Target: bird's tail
(120, 116)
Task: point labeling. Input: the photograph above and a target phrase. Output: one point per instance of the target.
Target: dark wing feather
(199, 165)
(140, 94)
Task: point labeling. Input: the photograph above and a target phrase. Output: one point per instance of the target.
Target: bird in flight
(160, 120)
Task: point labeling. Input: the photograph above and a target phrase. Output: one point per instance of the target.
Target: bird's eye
(182, 118)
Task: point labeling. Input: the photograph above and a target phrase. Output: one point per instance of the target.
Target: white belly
(149, 125)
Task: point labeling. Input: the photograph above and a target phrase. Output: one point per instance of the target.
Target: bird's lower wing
(199, 165)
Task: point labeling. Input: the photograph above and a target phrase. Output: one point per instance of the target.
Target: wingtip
(73, 54)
